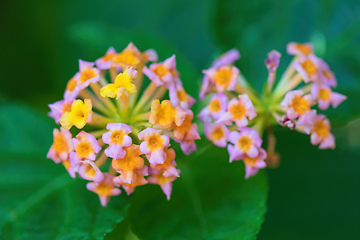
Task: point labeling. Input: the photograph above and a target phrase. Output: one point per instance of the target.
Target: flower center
(215, 105)
(237, 110)
(117, 137)
(108, 57)
(306, 50)
(160, 70)
(217, 134)
(300, 105)
(155, 142)
(71, 85)
(321, 129)
(87, 74)
(324, 94)
(84, 149)
(60, 144)
(309, 67)
(223, 76)
(127, 57)
(245, 143)
(182, 96)
(250, 161)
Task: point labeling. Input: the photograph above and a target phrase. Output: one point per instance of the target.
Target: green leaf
(39, 199)
(211, 200)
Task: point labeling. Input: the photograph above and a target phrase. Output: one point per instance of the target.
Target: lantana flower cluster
(236, 116)
(115, 134)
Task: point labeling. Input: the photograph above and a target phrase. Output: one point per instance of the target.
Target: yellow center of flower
(304, 49)
(60, 144)
(87, 74)
(217, 134)
(245, 143)
(103, 189)
(89, 171)
(155, 142)
(182, 96)
(300, 105)
(117, 136)
(250, 161)
(160, 70)
(162, 180)
(83, 149)
(215, 106)
(127, 57)
(71, 85)
(108, 57)
(237, 110)
(324, 94)
(223, 76)
(309, 67)
(321, 129)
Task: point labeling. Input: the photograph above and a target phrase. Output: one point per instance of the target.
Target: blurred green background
(313, 194)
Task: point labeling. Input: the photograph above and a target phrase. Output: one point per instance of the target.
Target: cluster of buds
(236, 116)
(122, 135)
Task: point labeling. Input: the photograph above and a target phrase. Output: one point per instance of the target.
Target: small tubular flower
(58, 109)
(252, 165)
(325, 96)
(299, 49)
(247, 141)
(105, 189)
(215, 109)
(239, 110)
(140, 180)
(162, 73)
(217, 133)
(165, 114)
(153, 145)
(320, 133)
(157, 177)
(85, 146)
(168, 167)
(79, 115)
(88, 74)
(128, 165)
(296, 104)
(224, 78)
(307, 68)
(179, 97)
(106, 61)
(123, 85)
(89, 171)
(61, 147)
(117, 138)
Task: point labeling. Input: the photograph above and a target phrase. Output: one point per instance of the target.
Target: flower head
(235, 104)
(125, 127)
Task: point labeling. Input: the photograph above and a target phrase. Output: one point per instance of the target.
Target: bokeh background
(313, 194)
